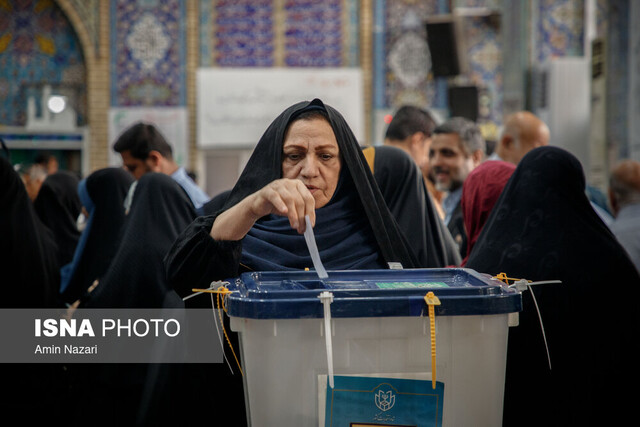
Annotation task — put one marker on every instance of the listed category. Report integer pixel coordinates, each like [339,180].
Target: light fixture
[57,103]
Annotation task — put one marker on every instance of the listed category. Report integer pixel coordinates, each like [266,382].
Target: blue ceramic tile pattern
[244,33]
[37,44]
[617,69]
[148,49]
[401,44]
[560,28]
[484,52]
[313,33]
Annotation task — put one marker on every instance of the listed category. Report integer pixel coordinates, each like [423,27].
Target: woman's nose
[309,166]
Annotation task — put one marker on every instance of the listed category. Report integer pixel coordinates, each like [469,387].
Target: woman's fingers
[291,198]
[309,204]
[284,197]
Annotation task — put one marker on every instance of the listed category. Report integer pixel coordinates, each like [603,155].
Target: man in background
[143,149]
[33,176]
[457,148]
[522,132]
[48,161]
[410,130]
[624,197]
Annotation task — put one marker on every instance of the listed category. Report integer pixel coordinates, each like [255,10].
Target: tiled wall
[146,42]
[148,53]
[37,44]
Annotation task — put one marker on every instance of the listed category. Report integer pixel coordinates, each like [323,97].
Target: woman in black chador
[403,189]
[119,393]
[30,275]
[58,207]
[544,228]
[30,279]
[102,195]
[160,210]
[308,162]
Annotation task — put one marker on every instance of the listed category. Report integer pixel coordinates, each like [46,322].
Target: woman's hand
[285,197]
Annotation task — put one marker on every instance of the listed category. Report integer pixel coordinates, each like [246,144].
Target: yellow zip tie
[432,301]
[222,290]
[503,277]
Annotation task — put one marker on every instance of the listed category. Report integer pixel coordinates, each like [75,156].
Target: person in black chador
[402,186]
[30,275]
[102,195]
[160,210]
[118,393]
[544,228]
[30,280]
[308,162]
[58,207]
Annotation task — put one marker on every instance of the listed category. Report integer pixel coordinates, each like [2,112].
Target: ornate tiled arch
[84,18]
[88,19]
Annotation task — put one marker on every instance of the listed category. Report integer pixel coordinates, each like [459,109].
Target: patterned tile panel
[88,11]
[484,53]
[148,45]
[407,60]
[560,28]
[313,33]
[617,70]
[37,44]
[243,32]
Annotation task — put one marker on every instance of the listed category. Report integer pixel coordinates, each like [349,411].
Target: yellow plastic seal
[432,301]
[222,291]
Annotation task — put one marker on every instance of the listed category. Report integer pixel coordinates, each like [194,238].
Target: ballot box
[422,347]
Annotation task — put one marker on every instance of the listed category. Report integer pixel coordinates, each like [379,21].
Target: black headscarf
[30,279]
[544,228]
[159,211]
[102,194]
[30,275]
[58,207]
[369,223]
[403,189]
[216,203]
[135,279]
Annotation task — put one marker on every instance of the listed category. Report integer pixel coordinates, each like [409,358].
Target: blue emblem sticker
[365,401]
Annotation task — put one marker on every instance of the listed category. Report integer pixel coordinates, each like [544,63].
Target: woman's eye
[326,156]
[294,157]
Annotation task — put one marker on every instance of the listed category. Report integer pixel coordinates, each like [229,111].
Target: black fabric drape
[58,207]
[30,274]
[107,189]
[30,279]
[135,279]
[405,194]
[141,394]
[543,228]
[216,203]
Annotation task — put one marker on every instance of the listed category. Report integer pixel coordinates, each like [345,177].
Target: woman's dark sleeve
[196,259]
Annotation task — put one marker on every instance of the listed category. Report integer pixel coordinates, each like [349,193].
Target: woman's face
[310,153]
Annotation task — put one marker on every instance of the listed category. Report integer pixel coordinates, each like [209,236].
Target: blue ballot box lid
[369,293]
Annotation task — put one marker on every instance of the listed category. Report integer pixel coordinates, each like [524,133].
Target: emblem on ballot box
[385,400]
